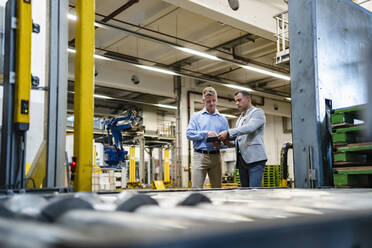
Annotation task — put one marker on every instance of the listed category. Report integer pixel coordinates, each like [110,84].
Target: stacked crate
[236,177]
[103,181]
[271,177]
[352,150]
[109,179]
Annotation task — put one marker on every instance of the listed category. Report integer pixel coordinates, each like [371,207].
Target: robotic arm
[116,154]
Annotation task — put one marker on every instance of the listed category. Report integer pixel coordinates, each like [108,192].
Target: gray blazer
[250,135]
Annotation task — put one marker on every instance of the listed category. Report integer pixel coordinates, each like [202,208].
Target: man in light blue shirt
[206,123]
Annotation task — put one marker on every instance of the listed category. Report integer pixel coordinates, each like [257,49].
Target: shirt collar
[216,112]
[246,112]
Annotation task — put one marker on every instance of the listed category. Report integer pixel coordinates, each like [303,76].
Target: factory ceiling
[147,32]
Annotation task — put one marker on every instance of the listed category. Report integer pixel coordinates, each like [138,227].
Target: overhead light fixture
[229,116]
[165,106]
[74,18]
[269,73]
[97,56]
[71,50]
[71,17]
[197,53]
[102,96]
[288,98]
[234,4]
[156,69]
[237,87]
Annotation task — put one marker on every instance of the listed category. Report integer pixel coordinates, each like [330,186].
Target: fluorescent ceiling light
[233,86]
[97,56]
[101,57]
[229,116]
[74,18]
[150,68]
[71,17]
[102,96]
[165,106]
[201,54]
[269,73]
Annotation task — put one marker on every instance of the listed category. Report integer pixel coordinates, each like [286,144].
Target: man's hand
[212,134]
[223,135]
[227,142]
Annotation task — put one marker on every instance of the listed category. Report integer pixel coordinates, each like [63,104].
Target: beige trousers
[203,164]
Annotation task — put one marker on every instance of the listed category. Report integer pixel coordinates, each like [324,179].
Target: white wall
[274,140]
[35,135]
[150,118]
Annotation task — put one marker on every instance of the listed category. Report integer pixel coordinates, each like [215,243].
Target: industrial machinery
[16,92]
[284,164]
[115,152]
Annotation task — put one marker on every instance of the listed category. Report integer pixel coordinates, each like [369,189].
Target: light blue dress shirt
[200,124]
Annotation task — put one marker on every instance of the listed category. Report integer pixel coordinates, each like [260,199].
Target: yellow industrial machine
[83,97]
[132,169]
[167,180]
[23,66]
[159,184]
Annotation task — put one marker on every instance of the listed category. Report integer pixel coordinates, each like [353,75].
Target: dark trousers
[250,174]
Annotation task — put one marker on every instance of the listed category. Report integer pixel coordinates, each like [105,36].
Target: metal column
[83,98]
[57,94]
[17,85]
[178,148]
[329,47]
[7,135]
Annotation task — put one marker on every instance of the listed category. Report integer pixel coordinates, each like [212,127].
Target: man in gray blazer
[249,143]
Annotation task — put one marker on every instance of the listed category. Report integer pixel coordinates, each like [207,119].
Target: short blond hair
[209,91]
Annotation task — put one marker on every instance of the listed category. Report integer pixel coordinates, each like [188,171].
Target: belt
[208,152]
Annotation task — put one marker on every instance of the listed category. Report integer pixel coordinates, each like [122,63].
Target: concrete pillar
[186,84]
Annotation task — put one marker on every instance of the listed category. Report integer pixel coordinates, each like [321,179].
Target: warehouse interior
[94,150]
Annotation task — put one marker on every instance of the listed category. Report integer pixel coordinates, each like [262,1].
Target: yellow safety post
[166,166]
[83,97]
[158,185]
[96,169]
[132,169]
[23,65]
[132,165]
[283,183]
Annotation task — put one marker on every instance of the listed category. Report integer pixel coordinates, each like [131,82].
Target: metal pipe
[119,10]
